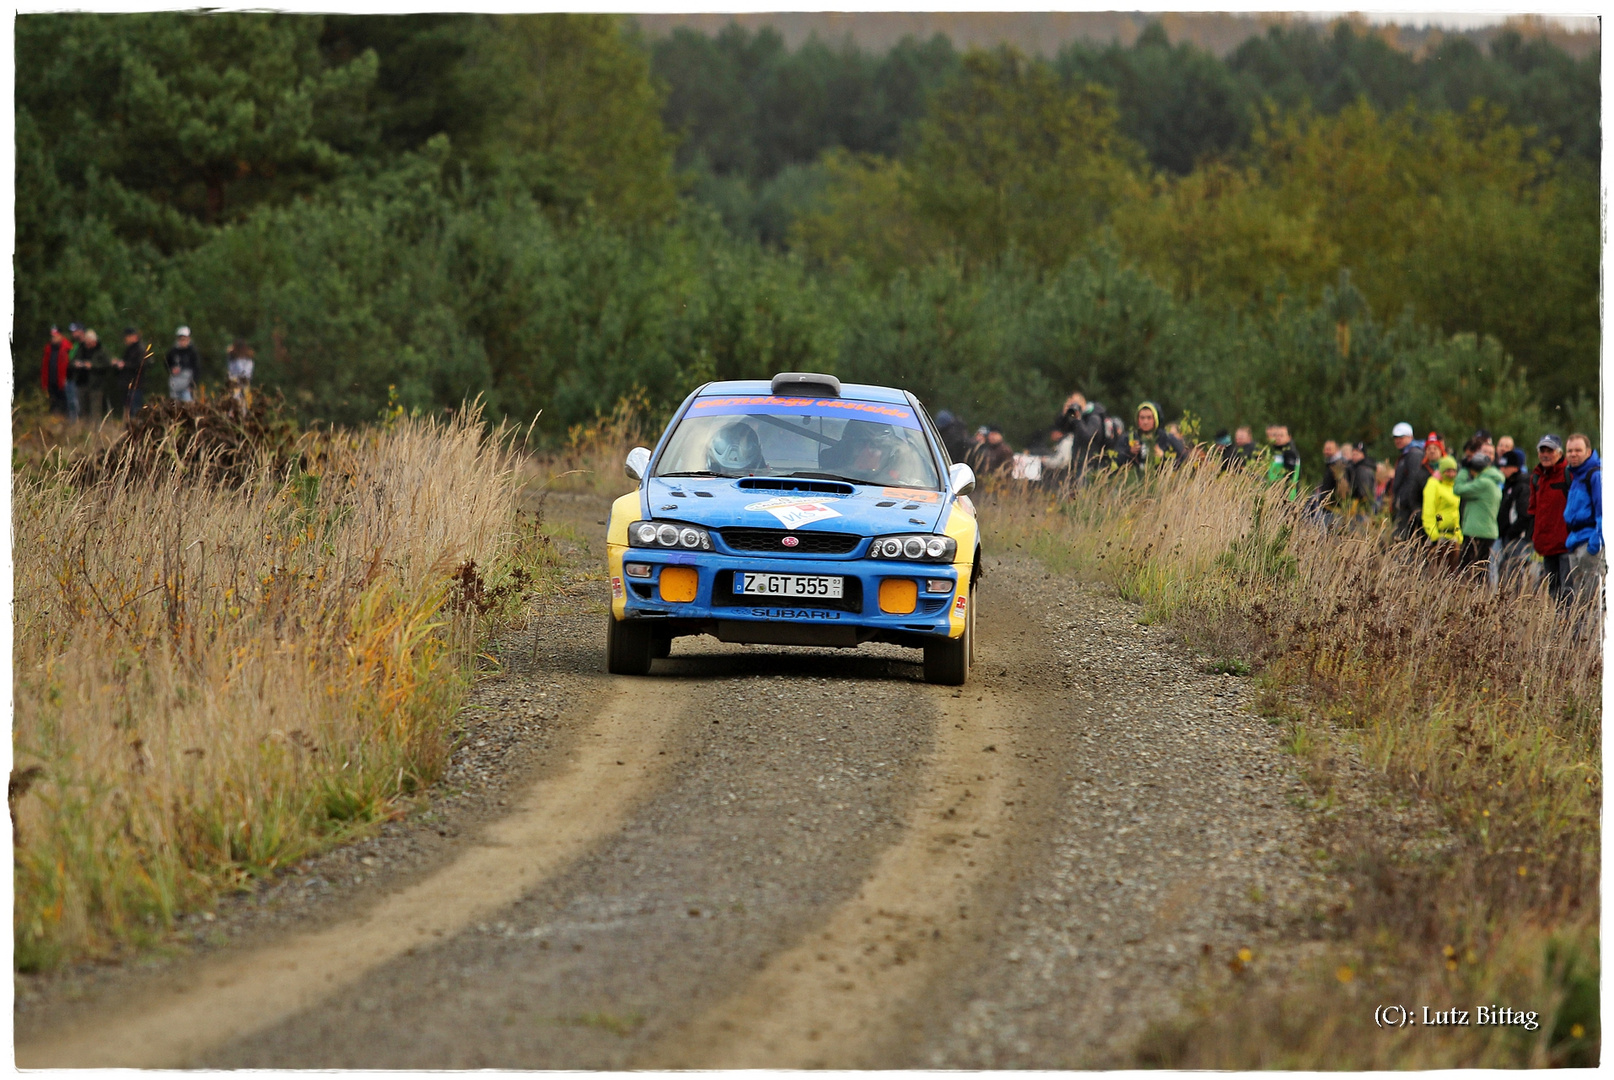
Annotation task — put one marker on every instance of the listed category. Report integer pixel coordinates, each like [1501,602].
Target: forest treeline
[552,212]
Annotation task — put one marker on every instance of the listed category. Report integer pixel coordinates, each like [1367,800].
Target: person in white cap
[184,365]
[1409,456]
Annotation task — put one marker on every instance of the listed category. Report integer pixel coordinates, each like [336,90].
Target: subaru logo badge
[790,541]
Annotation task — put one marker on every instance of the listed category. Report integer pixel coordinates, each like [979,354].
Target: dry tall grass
[1482,708]
[212,680]
[590,460]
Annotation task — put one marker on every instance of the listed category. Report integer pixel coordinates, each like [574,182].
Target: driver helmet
[863,434]
[734,449]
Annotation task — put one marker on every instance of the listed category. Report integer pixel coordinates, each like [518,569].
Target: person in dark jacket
[1549,491]
[1155,445]
[1583,518]
[1243,449]
[1514,525]
[954,435]
[1062,456]
[1422,471]
[1070,416]
[90,371]
[1092,432]
[53,369]
[1409,452]
[1332,490]
[991,453]
[184,354]
[1360,473]
[184,366]
[75,400]
[129,371]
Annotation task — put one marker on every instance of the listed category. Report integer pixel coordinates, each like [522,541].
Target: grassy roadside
[590,459]
[218,670]
[1474,714]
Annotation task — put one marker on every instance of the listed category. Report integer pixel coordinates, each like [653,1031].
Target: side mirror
[962,477]
[638,461]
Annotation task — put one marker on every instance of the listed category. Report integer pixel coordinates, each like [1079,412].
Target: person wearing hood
[1549,491]
[1154,442]
[1441,510]
[1478,488]
[954,435]
[1583,518]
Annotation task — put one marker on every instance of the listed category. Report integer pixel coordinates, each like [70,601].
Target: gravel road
[759,858]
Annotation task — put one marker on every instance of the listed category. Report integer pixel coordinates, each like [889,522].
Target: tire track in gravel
[614,764]
[843,997]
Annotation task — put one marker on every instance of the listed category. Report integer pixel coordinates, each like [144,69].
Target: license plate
[792,585]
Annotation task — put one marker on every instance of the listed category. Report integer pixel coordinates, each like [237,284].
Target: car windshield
[865,442]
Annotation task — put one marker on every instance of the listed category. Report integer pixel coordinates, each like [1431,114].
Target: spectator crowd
[1478,510]
[82,380]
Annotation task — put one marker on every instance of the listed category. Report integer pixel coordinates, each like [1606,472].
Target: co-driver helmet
[734,449]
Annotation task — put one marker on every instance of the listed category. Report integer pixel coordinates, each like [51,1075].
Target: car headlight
[668,534]
[914,547]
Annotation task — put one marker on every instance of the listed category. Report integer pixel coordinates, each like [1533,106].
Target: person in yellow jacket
[1442,521]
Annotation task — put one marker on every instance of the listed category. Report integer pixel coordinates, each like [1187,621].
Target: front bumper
[853,619]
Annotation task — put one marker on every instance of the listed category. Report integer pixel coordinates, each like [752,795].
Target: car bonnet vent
[827,487]
[806,382]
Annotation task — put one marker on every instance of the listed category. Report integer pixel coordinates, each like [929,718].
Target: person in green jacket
[1441,508]
[1283,462]
[1479,486]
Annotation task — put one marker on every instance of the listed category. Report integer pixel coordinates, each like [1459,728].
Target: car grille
[771,541]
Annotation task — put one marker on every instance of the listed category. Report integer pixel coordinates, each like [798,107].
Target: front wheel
[628,647]
[947,662]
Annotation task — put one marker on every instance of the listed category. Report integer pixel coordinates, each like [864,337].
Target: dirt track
[759,857]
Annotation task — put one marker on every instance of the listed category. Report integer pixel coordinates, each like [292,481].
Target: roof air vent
[806,382]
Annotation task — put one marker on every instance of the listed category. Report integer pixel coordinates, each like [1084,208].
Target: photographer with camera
[1479,488]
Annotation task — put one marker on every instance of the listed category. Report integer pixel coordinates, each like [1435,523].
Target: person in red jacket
[53,369]
[1549,491]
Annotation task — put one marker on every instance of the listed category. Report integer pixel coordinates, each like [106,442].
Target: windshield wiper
[697,472]
[824,476]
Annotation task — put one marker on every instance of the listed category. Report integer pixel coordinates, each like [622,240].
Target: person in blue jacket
[1583,517]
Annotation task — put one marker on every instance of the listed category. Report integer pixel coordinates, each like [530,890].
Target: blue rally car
[796,512]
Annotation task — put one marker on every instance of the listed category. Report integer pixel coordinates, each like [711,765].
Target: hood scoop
[785,483]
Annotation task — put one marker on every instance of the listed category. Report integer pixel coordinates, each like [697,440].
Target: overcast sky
[1456,20]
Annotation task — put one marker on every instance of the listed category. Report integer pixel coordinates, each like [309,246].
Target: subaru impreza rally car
[796,512]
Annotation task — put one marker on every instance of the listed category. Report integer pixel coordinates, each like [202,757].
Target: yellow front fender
[962,527]
[623,512]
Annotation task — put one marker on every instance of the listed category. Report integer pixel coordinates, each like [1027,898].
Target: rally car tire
[628,646]
[947,662]
[661,647]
